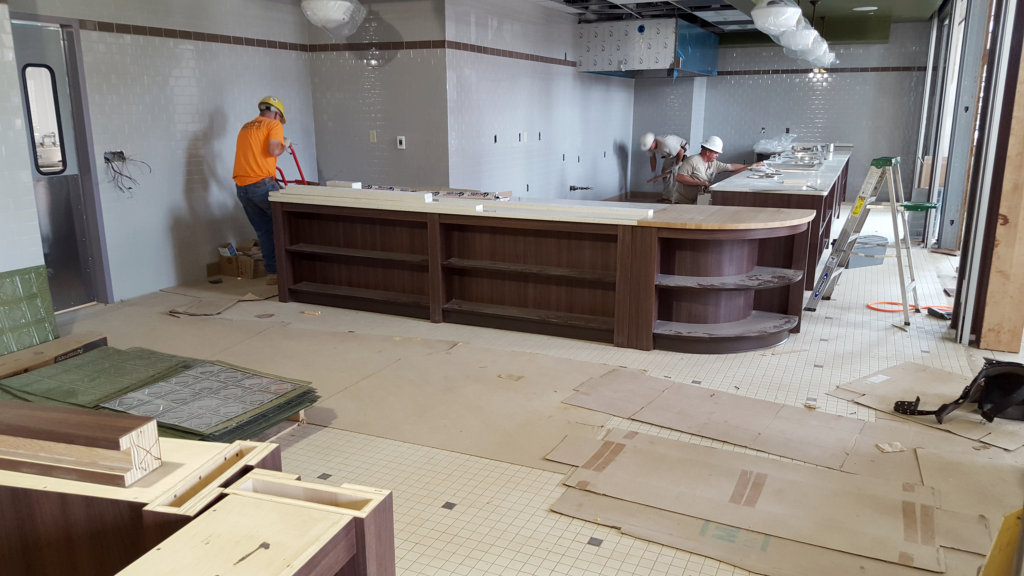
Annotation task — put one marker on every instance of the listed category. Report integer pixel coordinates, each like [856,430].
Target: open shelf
[760,278]
[381,301]
[531,269]
[759,330]
[531,314]
[333,251]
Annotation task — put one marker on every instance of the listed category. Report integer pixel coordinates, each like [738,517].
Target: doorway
[70,226]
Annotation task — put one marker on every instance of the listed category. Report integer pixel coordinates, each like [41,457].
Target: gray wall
[403,96]
[575,127]
[177,105]
[19,222]
[876,111]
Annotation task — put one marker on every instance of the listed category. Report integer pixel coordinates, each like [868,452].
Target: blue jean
[255,199]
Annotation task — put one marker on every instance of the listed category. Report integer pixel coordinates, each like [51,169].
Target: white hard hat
[713,143]
[646,140]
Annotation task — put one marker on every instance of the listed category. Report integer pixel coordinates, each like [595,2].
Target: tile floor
[465,515]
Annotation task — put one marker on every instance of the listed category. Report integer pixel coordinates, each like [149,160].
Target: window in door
[44,118]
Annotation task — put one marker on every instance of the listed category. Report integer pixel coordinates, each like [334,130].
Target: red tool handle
[296,158]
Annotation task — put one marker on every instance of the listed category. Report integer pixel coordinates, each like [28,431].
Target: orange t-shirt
[253,161]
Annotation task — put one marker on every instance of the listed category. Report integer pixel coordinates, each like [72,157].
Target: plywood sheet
[881,390]
[575,450]
[887,520]
[500,405]
[228,287]
[205,306]
[970,482]
[620,392]
[747,549]
[793,432]
[331,361]
[144,322]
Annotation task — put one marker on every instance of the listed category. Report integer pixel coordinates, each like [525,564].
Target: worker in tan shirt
[260,141]
[696,173]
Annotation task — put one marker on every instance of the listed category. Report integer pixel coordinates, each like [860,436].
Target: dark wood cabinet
[709,287]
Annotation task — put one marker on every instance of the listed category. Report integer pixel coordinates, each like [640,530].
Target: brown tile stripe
[137,30]
[835,70]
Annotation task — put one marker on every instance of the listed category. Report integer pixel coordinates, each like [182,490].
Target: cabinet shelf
[320,250]
[760,278]
[531,269]
[583,321]
[759,330]
[381,301]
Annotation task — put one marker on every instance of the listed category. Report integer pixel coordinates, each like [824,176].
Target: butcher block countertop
[561,210]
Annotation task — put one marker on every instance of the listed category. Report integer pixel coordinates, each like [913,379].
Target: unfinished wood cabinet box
[57,527]
[371,508]
[206,483]
[255,537]
[106,448]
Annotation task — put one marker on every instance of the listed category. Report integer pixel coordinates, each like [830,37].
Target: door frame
[96,243]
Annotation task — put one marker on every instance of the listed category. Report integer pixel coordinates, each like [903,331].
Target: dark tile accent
[448,505]
[595,542]
[88,25]
[249,41]
[272,44]
[237,40]
[105,26]
[261,43]
[199,36]
[122,28]
[324,476]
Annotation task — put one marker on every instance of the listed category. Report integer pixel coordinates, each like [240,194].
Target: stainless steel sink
[794,164]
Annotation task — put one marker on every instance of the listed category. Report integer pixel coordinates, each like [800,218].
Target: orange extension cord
[874,306]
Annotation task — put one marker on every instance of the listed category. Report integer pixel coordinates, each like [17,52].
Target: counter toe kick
[699,279]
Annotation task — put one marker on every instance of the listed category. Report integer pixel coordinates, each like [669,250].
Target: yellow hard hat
[273,102]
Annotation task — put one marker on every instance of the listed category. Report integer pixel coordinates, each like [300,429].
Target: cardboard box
[925,177]
[247,261]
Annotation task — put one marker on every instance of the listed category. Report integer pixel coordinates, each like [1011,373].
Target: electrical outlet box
[115,156]
[401,142]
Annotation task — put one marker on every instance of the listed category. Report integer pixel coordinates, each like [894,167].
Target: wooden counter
[822,191]
[688,278]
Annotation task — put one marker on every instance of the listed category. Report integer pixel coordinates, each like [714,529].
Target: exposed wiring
[119,170]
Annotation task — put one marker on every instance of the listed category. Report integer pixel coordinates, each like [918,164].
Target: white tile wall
[389,21]
[662,106]
[878,112]
[19,222]
[177,105]
[403,97]
[585,117]
[907,46]
[269,19]
[519,26]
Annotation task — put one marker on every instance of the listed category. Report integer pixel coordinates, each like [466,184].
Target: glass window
[44,118]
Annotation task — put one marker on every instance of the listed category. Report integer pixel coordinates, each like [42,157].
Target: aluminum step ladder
[884,170]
